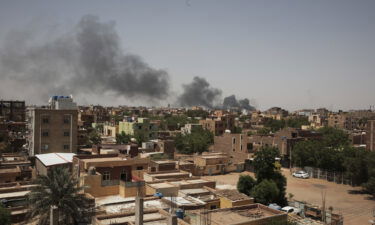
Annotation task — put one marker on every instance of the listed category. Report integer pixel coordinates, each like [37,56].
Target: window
[45,133]
[66,147]
[139,167]
[66,119]
[106,175]
[44,147]
[234,140]
[123,175]
[217,167]
[66,133]
[241,147]
[45,119]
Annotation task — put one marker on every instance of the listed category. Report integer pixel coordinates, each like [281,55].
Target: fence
[331,176]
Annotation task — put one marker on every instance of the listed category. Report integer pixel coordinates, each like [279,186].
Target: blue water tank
[180,213]
[158,194]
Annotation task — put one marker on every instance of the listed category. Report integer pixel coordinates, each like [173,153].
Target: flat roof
[161,185]
[157,216]
[242,214]
[51,159]
[14,194]
[233,195]
[195,191]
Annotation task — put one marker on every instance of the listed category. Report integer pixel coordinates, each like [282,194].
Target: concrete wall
[95,188]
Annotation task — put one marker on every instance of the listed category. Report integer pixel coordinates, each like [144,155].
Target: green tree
[122,138]
[175,122]
[297,122]
[334,138]
[59,188]
[246,184]
[94,137]
[264,131]
[5,218]
[265,192]
[264,163]
[265,169]
[198,141]
[197,113]
[236,130]
[369,186]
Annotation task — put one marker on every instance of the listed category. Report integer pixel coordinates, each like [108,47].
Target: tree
[59,188]
[264,162]
[265,169]
[94,137]
[369,186]
[196,142]
[5,218]
[245,184]
[265,192]
[334,138]
[122,138]
[197,113]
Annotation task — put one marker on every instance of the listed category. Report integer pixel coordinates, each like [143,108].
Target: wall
[94,187]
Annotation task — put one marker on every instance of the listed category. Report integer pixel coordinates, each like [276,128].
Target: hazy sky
[288,53]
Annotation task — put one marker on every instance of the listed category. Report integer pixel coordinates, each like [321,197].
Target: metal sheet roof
[51,159]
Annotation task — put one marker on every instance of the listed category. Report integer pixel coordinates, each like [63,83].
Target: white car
[289,209]
[301,174]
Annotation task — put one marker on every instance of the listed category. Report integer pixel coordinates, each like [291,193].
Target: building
[141,126]
[370,135]
[283,140]
[253,214]
[62,102]
[105,175]
[215,163]
[232,198]
[12,111]
[317,121]
[52,130]
[234,145]
[44,162]
[216,126]
[190,127]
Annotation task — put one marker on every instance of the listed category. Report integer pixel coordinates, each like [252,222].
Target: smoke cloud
[231,102]
[199,93]
[86,60]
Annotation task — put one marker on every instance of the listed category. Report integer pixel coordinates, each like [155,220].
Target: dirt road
[356,208]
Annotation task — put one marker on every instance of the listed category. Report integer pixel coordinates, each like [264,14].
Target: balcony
[110,182]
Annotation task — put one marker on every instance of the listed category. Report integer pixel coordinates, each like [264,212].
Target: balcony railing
[110,182]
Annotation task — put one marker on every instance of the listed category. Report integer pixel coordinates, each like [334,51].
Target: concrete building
[253,214]
[12,111]
[110,174]
[215,163]
[44,162]
[142,125]
[190,127]
[234,145]
[370,135]
[216,126]
[62,102]
[52,130]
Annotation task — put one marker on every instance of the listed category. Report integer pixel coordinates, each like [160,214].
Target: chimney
[138,210]
[54,215]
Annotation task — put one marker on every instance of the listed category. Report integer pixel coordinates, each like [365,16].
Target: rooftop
[233,195]
[51,159]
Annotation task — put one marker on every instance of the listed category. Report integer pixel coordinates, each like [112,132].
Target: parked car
[290,209]
[301,174]
[274,206]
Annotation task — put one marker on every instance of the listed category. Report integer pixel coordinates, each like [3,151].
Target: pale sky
[289,53]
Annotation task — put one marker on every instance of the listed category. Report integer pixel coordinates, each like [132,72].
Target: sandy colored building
[370,135]
[234,145]
[52,130]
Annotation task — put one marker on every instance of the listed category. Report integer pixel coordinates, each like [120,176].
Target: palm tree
[59,188]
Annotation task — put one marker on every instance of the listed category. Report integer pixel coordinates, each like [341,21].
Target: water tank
[158,194]
[92,170]
[180,213]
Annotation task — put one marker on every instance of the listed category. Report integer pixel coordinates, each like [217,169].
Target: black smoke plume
[87,59]
[231,102]
[199,93]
